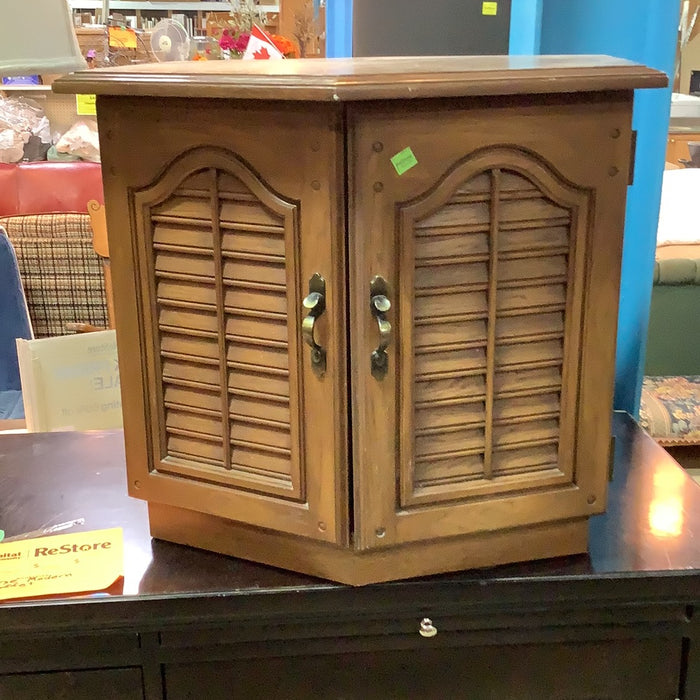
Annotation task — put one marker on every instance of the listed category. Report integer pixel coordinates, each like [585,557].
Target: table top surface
[350,79]
[647,535]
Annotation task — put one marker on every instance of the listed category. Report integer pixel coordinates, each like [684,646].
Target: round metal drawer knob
[427,629]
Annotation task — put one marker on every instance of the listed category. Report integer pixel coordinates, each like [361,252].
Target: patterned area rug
[670,409]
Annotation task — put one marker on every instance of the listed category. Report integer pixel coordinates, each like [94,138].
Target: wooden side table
[366,308]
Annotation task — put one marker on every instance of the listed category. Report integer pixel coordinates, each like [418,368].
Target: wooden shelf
[25,88]
[145,5]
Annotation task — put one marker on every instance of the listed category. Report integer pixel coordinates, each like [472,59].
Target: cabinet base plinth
[360,568]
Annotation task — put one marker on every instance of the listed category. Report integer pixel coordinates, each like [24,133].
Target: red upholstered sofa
[47,188]
[43,208]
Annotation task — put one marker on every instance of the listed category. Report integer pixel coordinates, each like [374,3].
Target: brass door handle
[379,305]
[315,303]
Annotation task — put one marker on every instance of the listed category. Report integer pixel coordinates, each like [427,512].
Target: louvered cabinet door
[224,244]
[489,248]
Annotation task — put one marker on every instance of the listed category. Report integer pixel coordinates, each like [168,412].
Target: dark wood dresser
[621,622]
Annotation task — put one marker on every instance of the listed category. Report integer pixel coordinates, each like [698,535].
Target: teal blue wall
[525,27]
[339,28]
[643,31]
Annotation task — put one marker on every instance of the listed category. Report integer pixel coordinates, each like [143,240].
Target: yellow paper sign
[122,38]
[86,104]
[489,8]
[81,562]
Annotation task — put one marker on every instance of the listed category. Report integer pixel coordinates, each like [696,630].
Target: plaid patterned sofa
[43,208]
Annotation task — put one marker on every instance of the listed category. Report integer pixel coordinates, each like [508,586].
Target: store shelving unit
[146,5]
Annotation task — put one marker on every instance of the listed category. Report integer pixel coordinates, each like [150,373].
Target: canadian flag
[260,46]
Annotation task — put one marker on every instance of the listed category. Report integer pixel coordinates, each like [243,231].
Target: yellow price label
[122,38]
[489,8]
[86,105]
[82,562]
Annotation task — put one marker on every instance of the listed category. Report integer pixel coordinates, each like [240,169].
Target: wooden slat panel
[197,398]
[258,381]
[457,215]
[530,297]
[187,264]
[250,327]
[277,439]
[433,418]
[185,319]
[449,442]
[252,271]
[441,334]
[527,406]
[526,380]
[531,431]
[451,246]
[259,461]
[172,234]
[232,185]
[473,213]
[451,275]
[532,268]
[258,300]
[190,371]
[529,326]
[448,471]
[527,209]
[533,238]
[428,307]
[521,353]
[480,184]
[197,450]
[200,180]
[525,458]
[247,213]
[463,387]
[193,347]
[257,355]
[449,361]
[531,263]
[192,422]
[184,207]
[512,181]
[244,241]
[179,290]
[259,408]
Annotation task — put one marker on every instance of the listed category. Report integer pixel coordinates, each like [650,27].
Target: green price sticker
[489,8]
[404,160]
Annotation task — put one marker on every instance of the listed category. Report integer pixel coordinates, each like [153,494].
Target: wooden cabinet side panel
[313,145]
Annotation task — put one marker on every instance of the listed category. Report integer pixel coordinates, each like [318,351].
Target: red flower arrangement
[238,44]
[226,41]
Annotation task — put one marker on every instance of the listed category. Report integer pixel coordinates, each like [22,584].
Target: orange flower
[286,47]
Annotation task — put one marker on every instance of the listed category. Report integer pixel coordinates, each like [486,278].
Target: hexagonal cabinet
[366,308]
